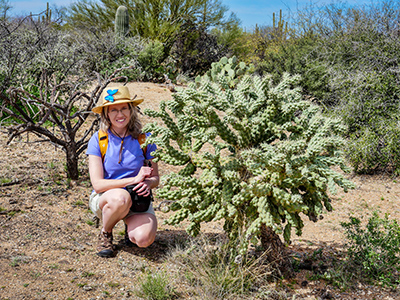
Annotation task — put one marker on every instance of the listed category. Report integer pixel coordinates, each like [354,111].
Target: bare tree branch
[66,106]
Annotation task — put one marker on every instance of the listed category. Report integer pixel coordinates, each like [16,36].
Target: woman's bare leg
[115,206]
[142,229]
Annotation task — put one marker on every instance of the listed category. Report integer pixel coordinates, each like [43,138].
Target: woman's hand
[144,173]
[100,185]
[142,189]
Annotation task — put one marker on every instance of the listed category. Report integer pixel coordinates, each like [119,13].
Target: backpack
[103,142]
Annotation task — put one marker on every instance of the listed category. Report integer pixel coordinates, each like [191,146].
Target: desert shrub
[369,105]
[155,286]
[375,147]
[126,52]
[23,41]
[32,48]
[99,49]
[28,47]
[152,62]
[283,48]
[195,49]
[31,45]
[232,38]
[207,265]
[297,56]
[155,20]
[352,70]
[373,250]
[255,155]
[262,39]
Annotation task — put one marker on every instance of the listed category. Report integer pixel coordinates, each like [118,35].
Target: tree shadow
[166,240]
[316,256]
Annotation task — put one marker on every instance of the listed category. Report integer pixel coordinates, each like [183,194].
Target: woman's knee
[143,229]
[116,201]
[142,239]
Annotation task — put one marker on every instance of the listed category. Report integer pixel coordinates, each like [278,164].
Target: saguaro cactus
[46,17]
[121,26]
[257,156]
[281,30]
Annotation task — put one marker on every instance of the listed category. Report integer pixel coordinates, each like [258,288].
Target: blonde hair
[134,125]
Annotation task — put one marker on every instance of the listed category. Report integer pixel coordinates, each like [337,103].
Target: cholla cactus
[229,68]
[255,156]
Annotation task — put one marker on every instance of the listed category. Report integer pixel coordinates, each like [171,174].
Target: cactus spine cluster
[121,26]
[257,154]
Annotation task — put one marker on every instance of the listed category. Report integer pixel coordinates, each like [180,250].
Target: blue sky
[250,12]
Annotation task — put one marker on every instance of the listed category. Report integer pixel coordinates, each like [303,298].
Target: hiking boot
[128,242]
[105,247]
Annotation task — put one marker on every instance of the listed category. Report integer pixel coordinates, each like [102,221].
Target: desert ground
[48,239]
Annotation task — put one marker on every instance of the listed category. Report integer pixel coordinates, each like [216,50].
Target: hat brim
[99,109]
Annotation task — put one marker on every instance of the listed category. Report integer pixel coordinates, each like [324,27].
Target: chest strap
[103,143]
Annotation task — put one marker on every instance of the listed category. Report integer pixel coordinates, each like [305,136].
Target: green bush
[369,106]
[375,148]
[356,57]
[373,251]
[152,62]
[126,54]
[155,286]
[297,56]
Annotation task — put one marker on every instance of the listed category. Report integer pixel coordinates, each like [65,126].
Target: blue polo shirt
[132,155]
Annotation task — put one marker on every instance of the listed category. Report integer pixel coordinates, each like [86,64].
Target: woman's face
[119,115]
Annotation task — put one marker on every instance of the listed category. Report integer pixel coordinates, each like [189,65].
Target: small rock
[326,295]
[64,262]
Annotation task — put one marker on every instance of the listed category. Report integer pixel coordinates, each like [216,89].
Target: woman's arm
[101,185]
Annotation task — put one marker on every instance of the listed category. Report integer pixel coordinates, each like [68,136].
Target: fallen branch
[6,212]
[14,182]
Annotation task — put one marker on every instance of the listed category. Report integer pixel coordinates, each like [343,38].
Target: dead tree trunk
[276,252]
[72,162]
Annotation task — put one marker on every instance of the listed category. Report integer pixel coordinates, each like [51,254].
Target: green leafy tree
[256,156]
[155,19]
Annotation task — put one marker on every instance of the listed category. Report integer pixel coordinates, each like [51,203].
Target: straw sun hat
[115,95]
